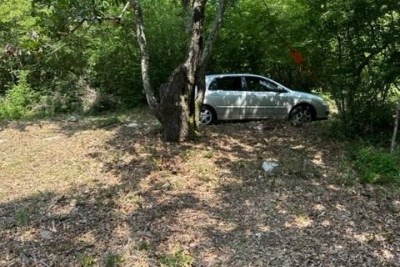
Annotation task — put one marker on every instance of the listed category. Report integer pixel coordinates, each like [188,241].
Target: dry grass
[98,193]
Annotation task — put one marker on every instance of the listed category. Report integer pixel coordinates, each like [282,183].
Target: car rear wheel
[207,115]
[301,114]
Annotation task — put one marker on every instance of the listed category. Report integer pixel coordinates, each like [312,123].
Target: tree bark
[177,97]
[396,126]
[145,59]
[174,106]
[177,107]
[209,44]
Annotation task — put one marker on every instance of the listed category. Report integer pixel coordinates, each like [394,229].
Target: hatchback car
[248,96]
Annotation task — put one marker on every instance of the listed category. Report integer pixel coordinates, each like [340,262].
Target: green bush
[17,102]
[334,128]
[371,119]
[374,123]
[377,166]
[178,259]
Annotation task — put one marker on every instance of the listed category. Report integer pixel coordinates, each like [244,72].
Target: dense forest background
[69,56]
[87,179]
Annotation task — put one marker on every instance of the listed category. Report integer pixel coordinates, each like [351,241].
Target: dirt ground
[111,193]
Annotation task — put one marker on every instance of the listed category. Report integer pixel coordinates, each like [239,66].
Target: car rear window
[226,84]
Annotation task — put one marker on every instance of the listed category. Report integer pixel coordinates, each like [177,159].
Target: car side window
[226,84]
[272,87]
[256,84]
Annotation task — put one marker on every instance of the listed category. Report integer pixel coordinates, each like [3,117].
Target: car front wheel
[301,114]
[207,115]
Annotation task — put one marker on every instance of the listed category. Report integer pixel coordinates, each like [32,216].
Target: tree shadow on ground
[211,200]
[300,214]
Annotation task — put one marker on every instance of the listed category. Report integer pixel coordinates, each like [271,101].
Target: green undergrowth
[375,165]
[178,259]
[17,102]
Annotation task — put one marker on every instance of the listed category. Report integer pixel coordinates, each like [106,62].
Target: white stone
[72,119]
[45,234]
[133,125]
[268,166]
[259,127]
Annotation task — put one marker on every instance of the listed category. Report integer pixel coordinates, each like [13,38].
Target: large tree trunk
[174,107]
[177,109]
[173,111]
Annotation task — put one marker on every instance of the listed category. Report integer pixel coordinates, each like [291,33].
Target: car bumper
[324,117]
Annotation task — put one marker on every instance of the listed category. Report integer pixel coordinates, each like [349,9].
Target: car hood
[303,95]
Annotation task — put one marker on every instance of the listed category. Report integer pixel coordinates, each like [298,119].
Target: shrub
[114,260]
[178,259]
[17,102]
[377,166]
[372,119]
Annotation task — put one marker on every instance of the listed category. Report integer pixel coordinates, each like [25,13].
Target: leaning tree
[178,106]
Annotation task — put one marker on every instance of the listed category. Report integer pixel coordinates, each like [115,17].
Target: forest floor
[108,192]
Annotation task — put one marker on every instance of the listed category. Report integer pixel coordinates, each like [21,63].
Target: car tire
[301,114]
[207,115]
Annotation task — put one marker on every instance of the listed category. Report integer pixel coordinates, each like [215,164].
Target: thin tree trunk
[396,126]
[145,59]
[209,44]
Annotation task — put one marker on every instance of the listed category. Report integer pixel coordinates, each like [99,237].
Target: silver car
[248,96]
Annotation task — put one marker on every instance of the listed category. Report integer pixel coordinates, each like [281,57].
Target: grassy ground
[99,193]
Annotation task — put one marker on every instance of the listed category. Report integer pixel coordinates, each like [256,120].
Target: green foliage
[167,36]
[260,35]
[114,260]
[377,166]
[86,260]
[370,120]
[334,128]
[354,60]
[372,123]
[108,120]
[18,99]
[22,217]
[114,67]
[178,259]
[78,63]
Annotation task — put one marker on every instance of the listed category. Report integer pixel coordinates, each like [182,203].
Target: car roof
[233,75]
[210,77]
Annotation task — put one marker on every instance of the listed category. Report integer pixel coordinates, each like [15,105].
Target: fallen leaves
[121,195]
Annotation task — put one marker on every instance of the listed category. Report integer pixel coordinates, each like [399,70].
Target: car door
[226,95]
[264,98]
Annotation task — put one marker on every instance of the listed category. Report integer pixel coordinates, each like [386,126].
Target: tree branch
[116,19]
[80,23]
[216,27]
[124,10]
[145,60]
